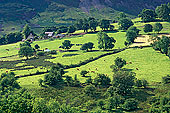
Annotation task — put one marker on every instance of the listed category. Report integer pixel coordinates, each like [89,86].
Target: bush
[90,90]
[89,81]
[138,83]
[90,104]
[102,80]
[41,53]
[40,81]
[83,73]
[130,104]
[166,79]
[53,52]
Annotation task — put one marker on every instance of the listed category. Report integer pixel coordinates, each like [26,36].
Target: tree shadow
[69,55]
[125,69]
[71,51]
[111,31]
[94,51]
[142,94]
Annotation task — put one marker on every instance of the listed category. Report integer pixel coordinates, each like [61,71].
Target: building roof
[47,50]
[61,35]
[49,33]
[31,36]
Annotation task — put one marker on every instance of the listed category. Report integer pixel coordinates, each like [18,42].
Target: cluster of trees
[81,24]
[160,104]
[55,77]
[157,27]
[11,38]
[92,23]
[14,99]
[104,42]
[124,22]
[162,12]
[131,35]
[26,50]
[119,91]
[162,44]
[16,36]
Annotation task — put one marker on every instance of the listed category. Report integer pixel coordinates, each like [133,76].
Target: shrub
[53,52]
[83,73]
[102,80]
[130,104]
[138,83]
[41,53]
[166,79]
[90,90]
[89,81]
[40,81]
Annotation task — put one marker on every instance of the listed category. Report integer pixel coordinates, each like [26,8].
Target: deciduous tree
[125,23]
[147,15]
[26,31]
[123,82]
[148,28]
[163,12]
[157,27]
[66,44]
[26,51]
[104,41]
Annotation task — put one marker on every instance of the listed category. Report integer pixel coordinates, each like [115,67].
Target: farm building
[49,34]
[30,37]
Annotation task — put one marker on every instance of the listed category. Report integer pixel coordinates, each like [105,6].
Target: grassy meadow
[151,64]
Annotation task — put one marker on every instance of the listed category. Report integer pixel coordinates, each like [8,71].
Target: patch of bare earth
[144,40]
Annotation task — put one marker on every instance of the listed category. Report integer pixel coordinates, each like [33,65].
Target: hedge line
[77,65]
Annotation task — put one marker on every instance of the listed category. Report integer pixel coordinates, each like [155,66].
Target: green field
[152,65]
[73,56]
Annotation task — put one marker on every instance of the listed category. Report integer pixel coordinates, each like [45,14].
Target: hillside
[147,63]
[15,14]
[26,9]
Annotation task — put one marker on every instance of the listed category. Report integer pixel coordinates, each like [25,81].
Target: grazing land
[106,66]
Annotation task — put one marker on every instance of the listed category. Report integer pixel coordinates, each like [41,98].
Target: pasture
[73,56]
[146,63]
[151,64]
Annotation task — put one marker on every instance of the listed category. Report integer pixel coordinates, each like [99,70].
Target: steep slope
[15,13]
[132,7]
[26,9]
